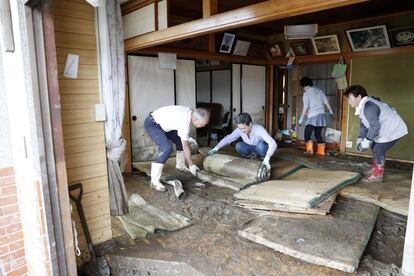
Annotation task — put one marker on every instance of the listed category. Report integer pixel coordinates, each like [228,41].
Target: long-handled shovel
[100,263]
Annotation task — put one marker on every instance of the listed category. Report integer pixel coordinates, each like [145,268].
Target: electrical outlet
[349,144]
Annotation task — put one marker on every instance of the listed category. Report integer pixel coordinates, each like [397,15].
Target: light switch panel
[100,112]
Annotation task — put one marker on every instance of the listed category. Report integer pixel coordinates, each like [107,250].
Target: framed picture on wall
[300,48]
[241,48]
[327,44]
[275,50]
[370,38]
[227,43]
[402,36]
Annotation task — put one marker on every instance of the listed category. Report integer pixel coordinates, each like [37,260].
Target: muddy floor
[211,244]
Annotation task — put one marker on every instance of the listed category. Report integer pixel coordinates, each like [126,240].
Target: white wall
[254,91]
[185,86]
[203,87]
[149,88]
[5,142]
[142,20]
[185,83]
[222,88]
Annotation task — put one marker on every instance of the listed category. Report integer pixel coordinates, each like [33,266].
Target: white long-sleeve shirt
[257,133]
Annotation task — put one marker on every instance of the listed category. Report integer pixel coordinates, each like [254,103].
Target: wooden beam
[192,54]
[209,9]
[346,55]
[131,6]
[251,15]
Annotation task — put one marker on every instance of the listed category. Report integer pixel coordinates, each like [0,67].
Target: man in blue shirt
[256,140]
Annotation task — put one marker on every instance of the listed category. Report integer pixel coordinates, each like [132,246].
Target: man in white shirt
[172,123]
[256,140]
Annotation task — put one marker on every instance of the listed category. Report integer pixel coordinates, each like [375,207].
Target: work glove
[363,144]
[212,151]
[266,163]
[192,143]
[194,169]
[332,114]
[300,122]
[182,167]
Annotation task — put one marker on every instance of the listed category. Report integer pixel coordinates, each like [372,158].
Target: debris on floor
[305,188]
[392,195]
[336,241]
[144,219]
[322,208]
[387,241]
[326,244]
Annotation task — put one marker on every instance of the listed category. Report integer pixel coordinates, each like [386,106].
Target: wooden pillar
[126,126]
[209,9]
[408,257]
[345,107]
[269,98]
[57,133]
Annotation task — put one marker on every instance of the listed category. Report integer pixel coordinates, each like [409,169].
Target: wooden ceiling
[181,11]
[192,36]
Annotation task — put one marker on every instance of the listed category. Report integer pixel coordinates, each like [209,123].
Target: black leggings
[308,133]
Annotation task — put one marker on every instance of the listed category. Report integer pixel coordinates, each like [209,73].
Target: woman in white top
[314,102]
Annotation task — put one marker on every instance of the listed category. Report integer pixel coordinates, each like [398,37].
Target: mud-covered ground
[212,246]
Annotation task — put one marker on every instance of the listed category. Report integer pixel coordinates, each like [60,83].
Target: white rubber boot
[180,161]
[156,172]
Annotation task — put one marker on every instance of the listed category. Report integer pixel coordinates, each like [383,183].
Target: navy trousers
[162,139]
[379,150]
[245,149]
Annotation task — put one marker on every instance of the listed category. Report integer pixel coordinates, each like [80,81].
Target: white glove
[180,162]
[300,122]
[363,145]
[266,162]
[194,169]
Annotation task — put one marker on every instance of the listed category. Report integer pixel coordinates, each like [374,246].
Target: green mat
[144,219]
